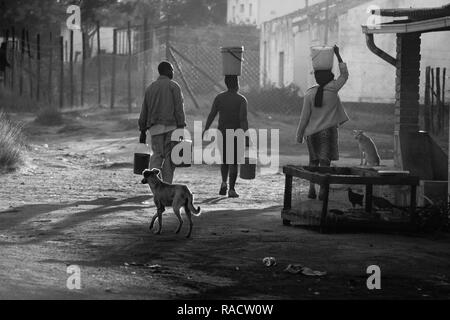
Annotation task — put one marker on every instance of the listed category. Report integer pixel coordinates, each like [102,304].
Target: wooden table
[346,176]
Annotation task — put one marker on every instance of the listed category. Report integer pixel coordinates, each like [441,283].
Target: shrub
[284,100]
[49,117]
[11,143]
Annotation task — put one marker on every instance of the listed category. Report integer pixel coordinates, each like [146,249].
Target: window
[242,8]
[250,8]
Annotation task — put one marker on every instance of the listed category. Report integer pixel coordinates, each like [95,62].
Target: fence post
[22,57]
[38,76]
[99,66]
[145,55]
[50,72]
[13,57]
[83,67]
[30,69]
[5,75]
[61,72]
[438,98]
[113,71]
[71,70]
[433,115]
[427,100]
[129,65]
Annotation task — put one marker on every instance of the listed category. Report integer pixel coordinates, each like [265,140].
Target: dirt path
[78,203]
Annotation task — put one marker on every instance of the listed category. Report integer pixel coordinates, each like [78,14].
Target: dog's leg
[160,214]
[189,216]
[362,157]
[177,212]
[152,224]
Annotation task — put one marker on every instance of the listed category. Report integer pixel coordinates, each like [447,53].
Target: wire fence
[57,72]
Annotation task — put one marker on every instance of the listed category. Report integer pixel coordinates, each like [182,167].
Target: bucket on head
[232,58]
[248,169]
[141,162]
[322,58]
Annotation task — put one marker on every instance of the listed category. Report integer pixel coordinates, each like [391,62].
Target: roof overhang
[438,24]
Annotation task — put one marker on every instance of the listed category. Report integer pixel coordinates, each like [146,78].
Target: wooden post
[72,102]
[83,67]
[145,43]
[113,71]
[50,72]
[369,195]
[99,66]
[438,99]
[426,112]
[13,57]
[5,75]
[30,69]
[129,65]
[288,193]
[22,55]
[61,72]
[38,72]
[444,80]
[433,113]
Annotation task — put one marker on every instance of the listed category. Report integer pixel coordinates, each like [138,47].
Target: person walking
[162,113]
[231,106]
[321,116]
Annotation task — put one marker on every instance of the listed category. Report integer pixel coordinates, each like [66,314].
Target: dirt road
[78,203]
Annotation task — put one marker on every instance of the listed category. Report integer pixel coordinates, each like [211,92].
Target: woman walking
[321,116]
[232,109]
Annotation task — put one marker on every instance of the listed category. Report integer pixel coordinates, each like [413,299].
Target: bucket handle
[232,53]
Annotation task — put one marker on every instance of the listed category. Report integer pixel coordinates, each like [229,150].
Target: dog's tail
[190,204]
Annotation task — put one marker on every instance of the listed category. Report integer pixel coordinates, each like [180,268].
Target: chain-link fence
[55,72]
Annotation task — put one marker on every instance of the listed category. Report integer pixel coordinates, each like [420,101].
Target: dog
[368,149]
[168,195]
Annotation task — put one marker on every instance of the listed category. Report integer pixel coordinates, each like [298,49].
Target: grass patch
[49,117]
[11,144]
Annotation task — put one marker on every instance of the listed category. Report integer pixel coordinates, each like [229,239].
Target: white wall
[371,78]
[243,12]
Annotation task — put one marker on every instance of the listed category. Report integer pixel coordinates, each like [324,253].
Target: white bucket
[232,58]
[322,58]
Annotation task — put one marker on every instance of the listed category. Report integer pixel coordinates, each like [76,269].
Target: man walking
[162,113]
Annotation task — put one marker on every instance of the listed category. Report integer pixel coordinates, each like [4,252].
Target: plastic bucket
[248,170]
[232,58]
[141,162]
[322,58]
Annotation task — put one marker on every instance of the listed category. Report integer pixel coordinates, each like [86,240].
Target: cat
[368,149]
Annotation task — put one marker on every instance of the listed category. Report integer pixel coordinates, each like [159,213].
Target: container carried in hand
[232,58]
[142,159]
[322,58]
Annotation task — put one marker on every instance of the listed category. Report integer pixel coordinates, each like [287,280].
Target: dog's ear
[146,173]
[157,173]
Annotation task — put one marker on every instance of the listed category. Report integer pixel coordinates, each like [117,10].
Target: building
[286,41]
[255,12]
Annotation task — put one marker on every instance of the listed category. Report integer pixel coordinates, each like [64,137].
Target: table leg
[413,204]
[326,194]
[288,193]
[369,194]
